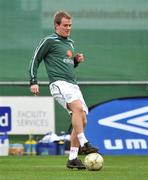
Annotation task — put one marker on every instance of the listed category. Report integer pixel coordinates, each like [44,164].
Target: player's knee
[78,109]
[84,119]
[84,123]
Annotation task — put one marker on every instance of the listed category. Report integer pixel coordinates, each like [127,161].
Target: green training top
[57,53]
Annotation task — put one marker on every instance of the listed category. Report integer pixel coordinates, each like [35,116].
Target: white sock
[73,153]
[82,139]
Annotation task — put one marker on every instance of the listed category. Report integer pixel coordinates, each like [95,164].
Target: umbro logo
[133,121]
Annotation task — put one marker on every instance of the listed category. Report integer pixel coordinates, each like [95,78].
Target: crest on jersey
[69,54]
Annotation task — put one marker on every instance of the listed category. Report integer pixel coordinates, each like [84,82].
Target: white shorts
[65,92]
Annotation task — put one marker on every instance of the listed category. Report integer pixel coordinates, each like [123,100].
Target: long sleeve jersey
[57,53]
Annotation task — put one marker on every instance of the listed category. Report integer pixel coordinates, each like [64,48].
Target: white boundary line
[24,83]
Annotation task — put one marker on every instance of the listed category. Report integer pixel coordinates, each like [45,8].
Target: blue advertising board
[5,119]
[119,126]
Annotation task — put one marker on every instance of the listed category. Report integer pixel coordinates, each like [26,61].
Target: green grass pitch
[53,168]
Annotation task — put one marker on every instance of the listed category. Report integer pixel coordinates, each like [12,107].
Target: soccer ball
[94,162]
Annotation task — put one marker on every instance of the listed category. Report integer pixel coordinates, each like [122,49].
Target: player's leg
[58,92]
[70,97]
[78,119]
[73,161]
[78,123]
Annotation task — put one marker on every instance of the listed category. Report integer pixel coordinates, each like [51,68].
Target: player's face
[64,28]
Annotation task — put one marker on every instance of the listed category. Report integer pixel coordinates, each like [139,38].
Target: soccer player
[57,52]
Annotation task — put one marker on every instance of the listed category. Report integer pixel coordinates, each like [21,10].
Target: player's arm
[78,58]
[39,55]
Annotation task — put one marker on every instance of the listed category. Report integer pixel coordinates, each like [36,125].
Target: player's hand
[79,57]
[35,89]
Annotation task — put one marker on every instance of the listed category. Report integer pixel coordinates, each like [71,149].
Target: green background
[112,34]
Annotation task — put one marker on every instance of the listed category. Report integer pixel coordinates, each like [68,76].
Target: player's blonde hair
[59,15]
